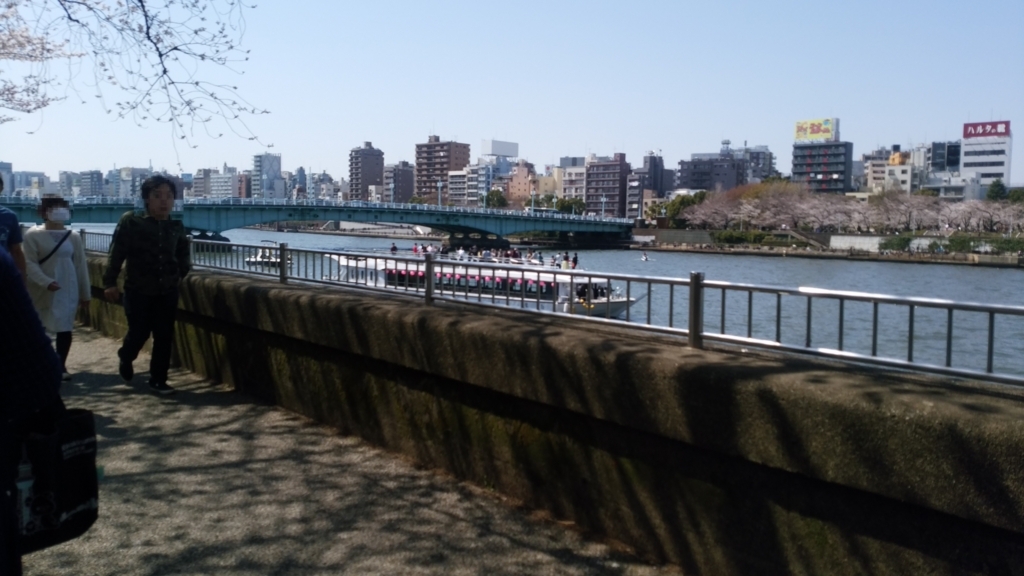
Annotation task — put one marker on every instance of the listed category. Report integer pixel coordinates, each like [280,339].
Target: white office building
[574,182]
[986,149]
[457,190]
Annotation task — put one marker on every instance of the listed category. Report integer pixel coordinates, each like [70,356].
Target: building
[91,183]
[266,175]
[201,182]
[522,184]
[572,162]
[457,188]
[434,160]
[986,150]
[223,185]
[400,181]
[499,148]
[824,166]
[131,179]
[719,173]
[365,169]
[606,185]
[954,186]
[899,178]
[574,182]
[944,157]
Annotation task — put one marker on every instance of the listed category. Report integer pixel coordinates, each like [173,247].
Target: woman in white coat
[58,277]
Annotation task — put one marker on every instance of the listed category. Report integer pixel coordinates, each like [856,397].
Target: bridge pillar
[462,240]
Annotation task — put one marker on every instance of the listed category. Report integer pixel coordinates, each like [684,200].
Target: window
[983,164]
[1000,152]
[991,174]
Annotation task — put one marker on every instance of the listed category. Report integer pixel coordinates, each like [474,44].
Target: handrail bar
[868,297]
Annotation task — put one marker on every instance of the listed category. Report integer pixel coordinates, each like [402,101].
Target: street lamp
[533,200]
[604,211]
[392,201]
[438,192]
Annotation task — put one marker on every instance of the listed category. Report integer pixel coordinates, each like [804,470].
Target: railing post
[428,276]
[696,326]
[282,262]
[81,234]
[191,250]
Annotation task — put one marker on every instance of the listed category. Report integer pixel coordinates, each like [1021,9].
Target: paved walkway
[211,482]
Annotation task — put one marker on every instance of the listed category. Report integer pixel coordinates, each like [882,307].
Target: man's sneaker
[161,388]
[126,371]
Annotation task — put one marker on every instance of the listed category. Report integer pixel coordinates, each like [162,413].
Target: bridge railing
[316,203]
[962,339]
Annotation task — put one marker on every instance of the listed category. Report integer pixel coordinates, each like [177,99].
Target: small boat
[266,257]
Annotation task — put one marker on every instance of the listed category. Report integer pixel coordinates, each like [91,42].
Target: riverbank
[986,260]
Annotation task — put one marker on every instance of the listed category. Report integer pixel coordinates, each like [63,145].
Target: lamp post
[392,201]
[604,210]
[438,192]
[533,200]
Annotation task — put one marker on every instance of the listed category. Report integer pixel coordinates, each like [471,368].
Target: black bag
[57,492]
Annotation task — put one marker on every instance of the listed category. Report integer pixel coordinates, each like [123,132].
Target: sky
[568,78]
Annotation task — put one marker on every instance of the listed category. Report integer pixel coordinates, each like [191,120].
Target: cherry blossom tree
[149,60]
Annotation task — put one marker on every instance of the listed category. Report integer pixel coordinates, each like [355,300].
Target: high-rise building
[606,185]
[91,183]
[571,161]
[400,181]
[223,185]
[986,150]
[434,159]
[825,166]
[365,169]
[266,176]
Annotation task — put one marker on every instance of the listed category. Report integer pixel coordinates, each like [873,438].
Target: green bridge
[466,225]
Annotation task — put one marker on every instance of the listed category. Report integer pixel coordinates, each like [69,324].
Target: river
[952,282]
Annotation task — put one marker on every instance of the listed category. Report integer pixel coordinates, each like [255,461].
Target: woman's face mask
[58,215]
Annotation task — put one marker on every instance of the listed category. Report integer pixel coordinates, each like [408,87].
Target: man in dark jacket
[156,250]
[30,376]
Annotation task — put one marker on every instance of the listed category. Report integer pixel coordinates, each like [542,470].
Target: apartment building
[434,160]
[365,169]
[606,185]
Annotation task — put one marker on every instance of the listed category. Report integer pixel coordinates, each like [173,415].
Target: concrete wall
[670,236]
[870,243]
[721,463]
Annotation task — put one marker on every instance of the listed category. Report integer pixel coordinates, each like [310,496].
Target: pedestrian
[58,275]
[10,235]
[156,251]
[29,389]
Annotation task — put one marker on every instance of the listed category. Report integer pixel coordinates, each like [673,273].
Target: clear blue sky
[566,78]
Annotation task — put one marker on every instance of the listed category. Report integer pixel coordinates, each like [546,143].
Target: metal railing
[107,201]
[931,335]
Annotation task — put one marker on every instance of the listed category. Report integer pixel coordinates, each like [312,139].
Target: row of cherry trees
[782,205]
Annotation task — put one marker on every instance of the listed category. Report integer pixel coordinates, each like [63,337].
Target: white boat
[266,257]
[547,287]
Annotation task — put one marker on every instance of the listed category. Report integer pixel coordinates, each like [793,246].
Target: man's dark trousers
[150,313]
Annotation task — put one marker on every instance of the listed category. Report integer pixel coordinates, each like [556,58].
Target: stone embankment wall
[725,464]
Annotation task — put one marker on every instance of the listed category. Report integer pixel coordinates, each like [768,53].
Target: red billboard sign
[986,129]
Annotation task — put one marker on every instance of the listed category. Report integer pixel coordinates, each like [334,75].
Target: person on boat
[644,257]
[565,262]
[415,248]
[394,249]
[575,260]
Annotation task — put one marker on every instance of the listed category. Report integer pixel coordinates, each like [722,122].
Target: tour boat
[544,286]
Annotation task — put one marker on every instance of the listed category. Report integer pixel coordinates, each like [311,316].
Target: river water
[951,282]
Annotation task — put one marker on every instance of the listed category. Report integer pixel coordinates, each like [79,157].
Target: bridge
[466,225]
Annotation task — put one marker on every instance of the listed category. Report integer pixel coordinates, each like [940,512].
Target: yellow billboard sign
[823,129]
